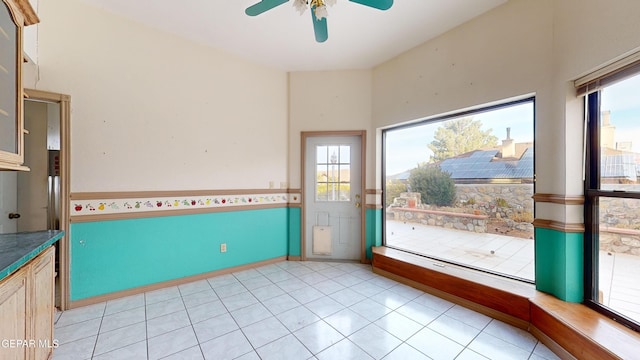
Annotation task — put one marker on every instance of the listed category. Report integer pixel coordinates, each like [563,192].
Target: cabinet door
[11,121]
[43,296]
[13,312]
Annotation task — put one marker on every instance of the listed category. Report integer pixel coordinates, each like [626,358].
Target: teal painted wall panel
[295,222]
[559,264]
[575,267]
[374,230]
[110,256]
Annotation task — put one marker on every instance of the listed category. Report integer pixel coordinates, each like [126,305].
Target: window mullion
[592,191]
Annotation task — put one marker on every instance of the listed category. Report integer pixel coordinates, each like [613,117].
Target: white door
[333,198]
[8,201]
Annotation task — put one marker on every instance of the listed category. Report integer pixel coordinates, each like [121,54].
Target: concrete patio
[514,256]
[503,254]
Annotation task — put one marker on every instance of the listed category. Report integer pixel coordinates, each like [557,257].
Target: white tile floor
[289,310]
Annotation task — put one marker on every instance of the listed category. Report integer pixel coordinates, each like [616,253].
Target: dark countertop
[18,248]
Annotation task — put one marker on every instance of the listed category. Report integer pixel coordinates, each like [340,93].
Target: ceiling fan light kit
[319,7]
[319,11]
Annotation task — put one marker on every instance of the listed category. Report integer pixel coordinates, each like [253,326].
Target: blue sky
[408,147]
[623,100]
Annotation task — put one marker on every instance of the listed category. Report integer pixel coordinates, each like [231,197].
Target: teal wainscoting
[111,256]
[295,231]
[374,230]
[559,258]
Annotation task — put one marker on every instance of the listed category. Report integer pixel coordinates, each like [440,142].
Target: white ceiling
[359,37]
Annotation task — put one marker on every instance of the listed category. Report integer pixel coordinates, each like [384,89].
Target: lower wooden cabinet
[26,310]
[13,309]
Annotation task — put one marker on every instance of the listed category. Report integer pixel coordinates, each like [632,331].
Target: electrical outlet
[223,248]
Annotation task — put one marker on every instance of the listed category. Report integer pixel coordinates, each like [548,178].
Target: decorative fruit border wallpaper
[118,206]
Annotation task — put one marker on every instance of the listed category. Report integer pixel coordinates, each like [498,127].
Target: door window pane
[333,175]
[345,155]
[322,192]
[321,155]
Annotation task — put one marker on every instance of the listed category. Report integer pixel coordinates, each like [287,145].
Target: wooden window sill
[570,330]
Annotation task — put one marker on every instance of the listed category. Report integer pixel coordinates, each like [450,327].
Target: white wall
[150,111]
[329,101]
[502,54]
[30,36]
[138,95]
[588,34]
[521,47]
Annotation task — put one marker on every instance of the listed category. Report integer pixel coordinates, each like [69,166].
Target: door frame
[304,135]
[65,150]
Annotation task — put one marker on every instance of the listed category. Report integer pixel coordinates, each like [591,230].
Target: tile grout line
[190,321]
[95,345]
[146,330]
[234,319]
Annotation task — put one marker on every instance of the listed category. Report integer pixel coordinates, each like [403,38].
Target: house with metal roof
[510,163]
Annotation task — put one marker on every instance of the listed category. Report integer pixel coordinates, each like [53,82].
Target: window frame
[531,98]
[593,192]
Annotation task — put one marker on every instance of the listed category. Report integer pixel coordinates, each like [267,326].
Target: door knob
[14,216]
[358,204]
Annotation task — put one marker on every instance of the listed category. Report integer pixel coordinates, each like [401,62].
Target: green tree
[434,185]
[458,137]
[393,189]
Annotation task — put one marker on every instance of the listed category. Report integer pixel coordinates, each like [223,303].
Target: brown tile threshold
[572,331]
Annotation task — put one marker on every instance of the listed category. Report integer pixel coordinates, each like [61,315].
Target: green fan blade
[262,6]
[319,27]
[378,4]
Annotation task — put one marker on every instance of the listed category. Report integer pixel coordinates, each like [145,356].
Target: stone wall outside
[511,203]
[620,218]
[620,223]
[497,200]
[447,220]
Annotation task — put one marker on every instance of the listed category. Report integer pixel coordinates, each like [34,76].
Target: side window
[612,197]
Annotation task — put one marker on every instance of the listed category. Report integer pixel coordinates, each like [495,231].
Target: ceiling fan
[318,11]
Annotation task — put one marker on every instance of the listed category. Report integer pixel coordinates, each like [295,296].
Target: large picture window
[612,197]
[459,188]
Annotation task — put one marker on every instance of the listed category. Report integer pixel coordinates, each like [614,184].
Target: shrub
[522,216]
[434,185]
[502,203]
[393,189]
[470,202]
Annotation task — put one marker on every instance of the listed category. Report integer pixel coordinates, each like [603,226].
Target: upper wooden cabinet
[14,16]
